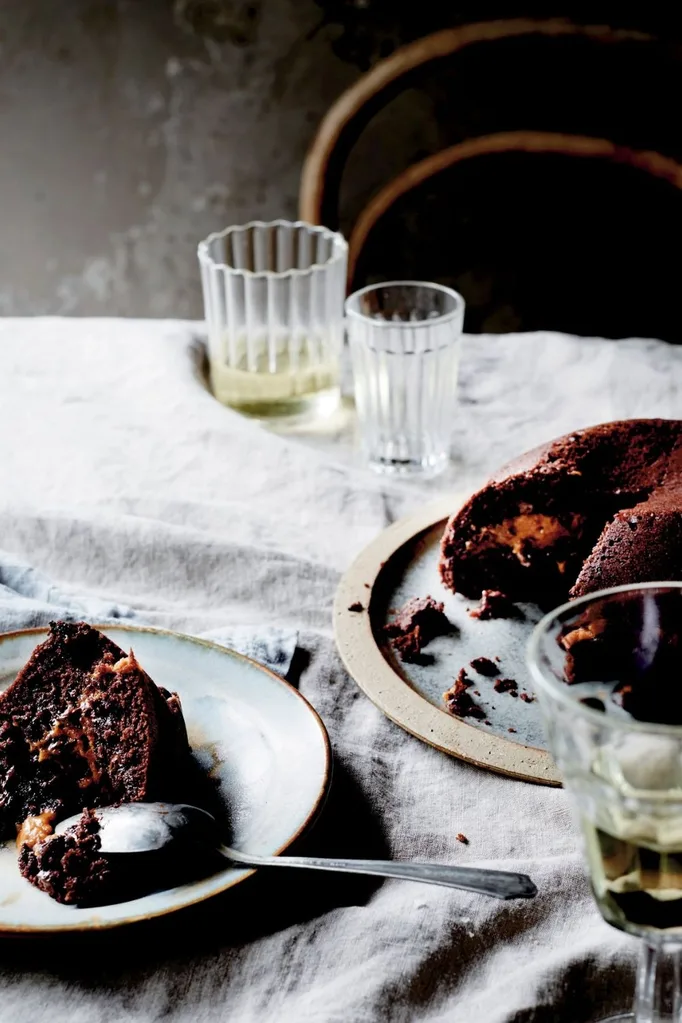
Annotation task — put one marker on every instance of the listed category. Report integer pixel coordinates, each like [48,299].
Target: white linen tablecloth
[122,480]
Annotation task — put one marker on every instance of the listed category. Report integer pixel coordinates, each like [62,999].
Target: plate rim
[390,692]
[24,930]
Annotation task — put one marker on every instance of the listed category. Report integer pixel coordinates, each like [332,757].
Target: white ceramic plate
[253,731]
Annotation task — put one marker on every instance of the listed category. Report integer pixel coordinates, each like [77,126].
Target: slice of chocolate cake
[83,725]
[593,509]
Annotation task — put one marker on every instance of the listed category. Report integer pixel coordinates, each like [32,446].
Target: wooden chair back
[410,213]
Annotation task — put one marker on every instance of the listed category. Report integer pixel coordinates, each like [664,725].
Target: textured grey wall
[132,129]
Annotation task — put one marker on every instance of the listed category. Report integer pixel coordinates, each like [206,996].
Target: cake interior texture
[597,508]
[70,867]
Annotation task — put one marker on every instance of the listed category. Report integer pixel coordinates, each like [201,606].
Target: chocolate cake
[599,507]
[83,725]
[69,867]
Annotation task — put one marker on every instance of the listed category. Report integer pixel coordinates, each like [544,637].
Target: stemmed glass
[608,672]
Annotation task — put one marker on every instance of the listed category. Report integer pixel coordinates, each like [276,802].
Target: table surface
[121,477]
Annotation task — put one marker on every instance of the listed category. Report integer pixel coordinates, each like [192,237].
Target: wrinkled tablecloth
[124,483]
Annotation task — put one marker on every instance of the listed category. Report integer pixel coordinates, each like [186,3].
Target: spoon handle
[499,883]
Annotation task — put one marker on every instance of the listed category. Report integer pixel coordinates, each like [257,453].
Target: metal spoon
[152,827]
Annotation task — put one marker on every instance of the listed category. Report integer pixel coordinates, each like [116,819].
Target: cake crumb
[506,685]
[409,646]
[511,729]
[462,838]
[459,702]
[357,606]
[527,698]
[464,678]
[494,604]
[484,666]
[415,625]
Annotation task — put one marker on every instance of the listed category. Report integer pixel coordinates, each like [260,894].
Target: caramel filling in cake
[528,529]
[75,732]
[36,829]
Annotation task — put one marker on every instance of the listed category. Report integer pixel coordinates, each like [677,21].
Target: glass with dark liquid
[608,671]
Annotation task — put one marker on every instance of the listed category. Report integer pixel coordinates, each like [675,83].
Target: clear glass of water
[608,672]
[273,299]
[404,340]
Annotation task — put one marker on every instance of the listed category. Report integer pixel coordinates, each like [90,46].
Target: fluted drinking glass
[404,340]
[608,673]
[273,300]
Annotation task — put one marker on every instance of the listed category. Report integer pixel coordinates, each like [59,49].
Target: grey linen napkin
[28,599]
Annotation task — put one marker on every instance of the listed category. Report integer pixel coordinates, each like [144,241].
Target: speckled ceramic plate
[402,563]
[259,737]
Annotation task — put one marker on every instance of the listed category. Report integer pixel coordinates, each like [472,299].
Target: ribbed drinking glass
[273,299]
[404,340]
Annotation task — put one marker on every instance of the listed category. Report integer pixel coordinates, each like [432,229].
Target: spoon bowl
[150,827]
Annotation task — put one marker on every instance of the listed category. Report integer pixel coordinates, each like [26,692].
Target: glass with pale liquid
[608,671]
[273,299]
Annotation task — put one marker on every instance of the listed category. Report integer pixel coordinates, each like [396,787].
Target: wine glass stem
[658,997]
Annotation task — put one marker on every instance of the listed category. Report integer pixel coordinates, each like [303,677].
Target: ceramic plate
[259,737]
[402,563]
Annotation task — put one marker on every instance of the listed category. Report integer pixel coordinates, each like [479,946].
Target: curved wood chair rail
[344,121]
[503,142]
